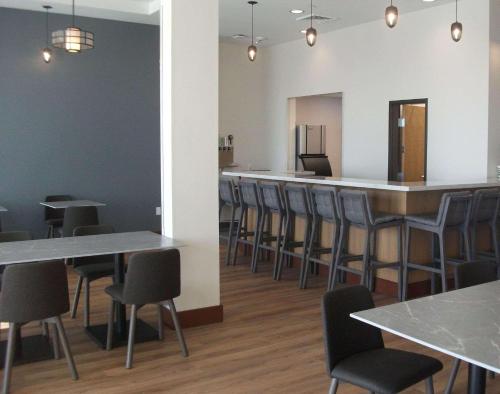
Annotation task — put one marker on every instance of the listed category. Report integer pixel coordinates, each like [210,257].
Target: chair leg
[55,342]
[287,232]
[160,322]
[9,357]
[131,337]
[453,376]
[334,386]
[366,261]
[406,259]
[66,348]
[332,274]
[429,386]
[76,298]
[303,263]
[230,235]
[238,234]
[178,328]
[86,306]
[277,253]
[259,231]
[442,253]
[111,323]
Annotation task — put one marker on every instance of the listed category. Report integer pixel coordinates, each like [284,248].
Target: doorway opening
[408,140]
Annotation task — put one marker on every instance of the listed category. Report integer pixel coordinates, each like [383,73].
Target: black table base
[143,333]
[477,380]
[29,350]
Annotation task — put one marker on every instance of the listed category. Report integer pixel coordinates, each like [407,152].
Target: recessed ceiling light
[296,11]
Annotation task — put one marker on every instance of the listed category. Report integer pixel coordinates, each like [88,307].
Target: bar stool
[485,209]
[297,203]
[271,198]
[228,197]
[324,206]
[355,211]
[249,200]
[454,214]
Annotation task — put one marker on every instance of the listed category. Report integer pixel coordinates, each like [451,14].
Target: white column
[189,132]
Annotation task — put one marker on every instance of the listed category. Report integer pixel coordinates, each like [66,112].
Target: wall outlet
[158,211]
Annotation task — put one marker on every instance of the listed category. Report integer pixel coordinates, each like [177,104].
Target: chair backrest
[354,207]
[271,196]
[324,203]
[485,205]
[14,236]
[343,335]
[34,291]
[475,273]
[152,277]
[248,193]
[92,230]
[455,209]
[51,213]
[78,217]
[297,200]
[227,191]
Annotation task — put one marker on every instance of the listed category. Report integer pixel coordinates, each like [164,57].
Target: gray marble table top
[72,203]
[92,245]
[3,209]
[464,323]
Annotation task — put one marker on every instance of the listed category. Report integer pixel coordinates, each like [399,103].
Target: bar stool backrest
[15,236]
[92,230]
[152,277]
[485,205]
[248,193]
[227,192]
[455,209]
[354,207]
[51,213]
[297,200]
[324,202]
[476,273]
[78,217]
[34,291]
[272,196]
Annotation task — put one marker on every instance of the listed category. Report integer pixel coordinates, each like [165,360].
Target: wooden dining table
[36,348]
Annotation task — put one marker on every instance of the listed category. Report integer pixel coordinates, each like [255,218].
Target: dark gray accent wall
[87,125]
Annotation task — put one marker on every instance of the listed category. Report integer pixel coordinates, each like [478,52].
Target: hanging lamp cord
[456,10]
[311,13]
[47,26]
[252,25]
[74,13]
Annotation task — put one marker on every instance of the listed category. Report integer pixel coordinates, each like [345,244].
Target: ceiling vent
[315,17]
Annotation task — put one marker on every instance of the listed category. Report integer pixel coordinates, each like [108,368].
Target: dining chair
[13,236]
[152,278]
[89,269]
[31,292]
[77,217]
[356,354]
[54,217]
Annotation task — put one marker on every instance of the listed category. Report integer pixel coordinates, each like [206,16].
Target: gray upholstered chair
[13,236]
[152,278]
[90,268]
[31,292]
[356,354]
[78,217]
[228,196]
[355,210]
[54,217]
[471,274]
[454,214]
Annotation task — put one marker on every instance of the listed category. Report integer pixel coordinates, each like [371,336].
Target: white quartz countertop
[92,245]
[464,323]
[365,183]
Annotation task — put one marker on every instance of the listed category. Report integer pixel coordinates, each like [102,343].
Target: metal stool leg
[442,252]
[160,322]
[9,357]
[131,337]
[406,260]
[453,376]
[178,328]
[66,348]
[76,298]
[111,323]
[429,386]
[86,306]
[55,342]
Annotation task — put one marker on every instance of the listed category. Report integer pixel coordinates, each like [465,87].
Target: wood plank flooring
[270,342]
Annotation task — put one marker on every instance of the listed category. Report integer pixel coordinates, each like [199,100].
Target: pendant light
[311,33]
[252,49]
[391,16]
[456,27]
[73,39]
[47,52]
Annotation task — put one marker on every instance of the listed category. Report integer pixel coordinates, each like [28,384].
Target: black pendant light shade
[456,27]
[47,52]
[311,33]
[252,49]
[73,39]
[391,16]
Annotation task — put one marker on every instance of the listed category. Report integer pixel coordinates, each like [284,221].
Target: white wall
[189,77]
[494,132]
[242,91]
[373,65]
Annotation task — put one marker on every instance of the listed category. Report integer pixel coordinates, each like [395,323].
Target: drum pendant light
[391,16]
[73,39]
[47,52]
[311,33]
[456,27]
[252,49]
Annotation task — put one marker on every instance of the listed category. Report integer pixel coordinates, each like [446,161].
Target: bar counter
[403,198]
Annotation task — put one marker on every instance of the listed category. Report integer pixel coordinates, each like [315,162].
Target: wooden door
[413,139]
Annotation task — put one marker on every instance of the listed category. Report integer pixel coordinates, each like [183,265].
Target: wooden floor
[270,342]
